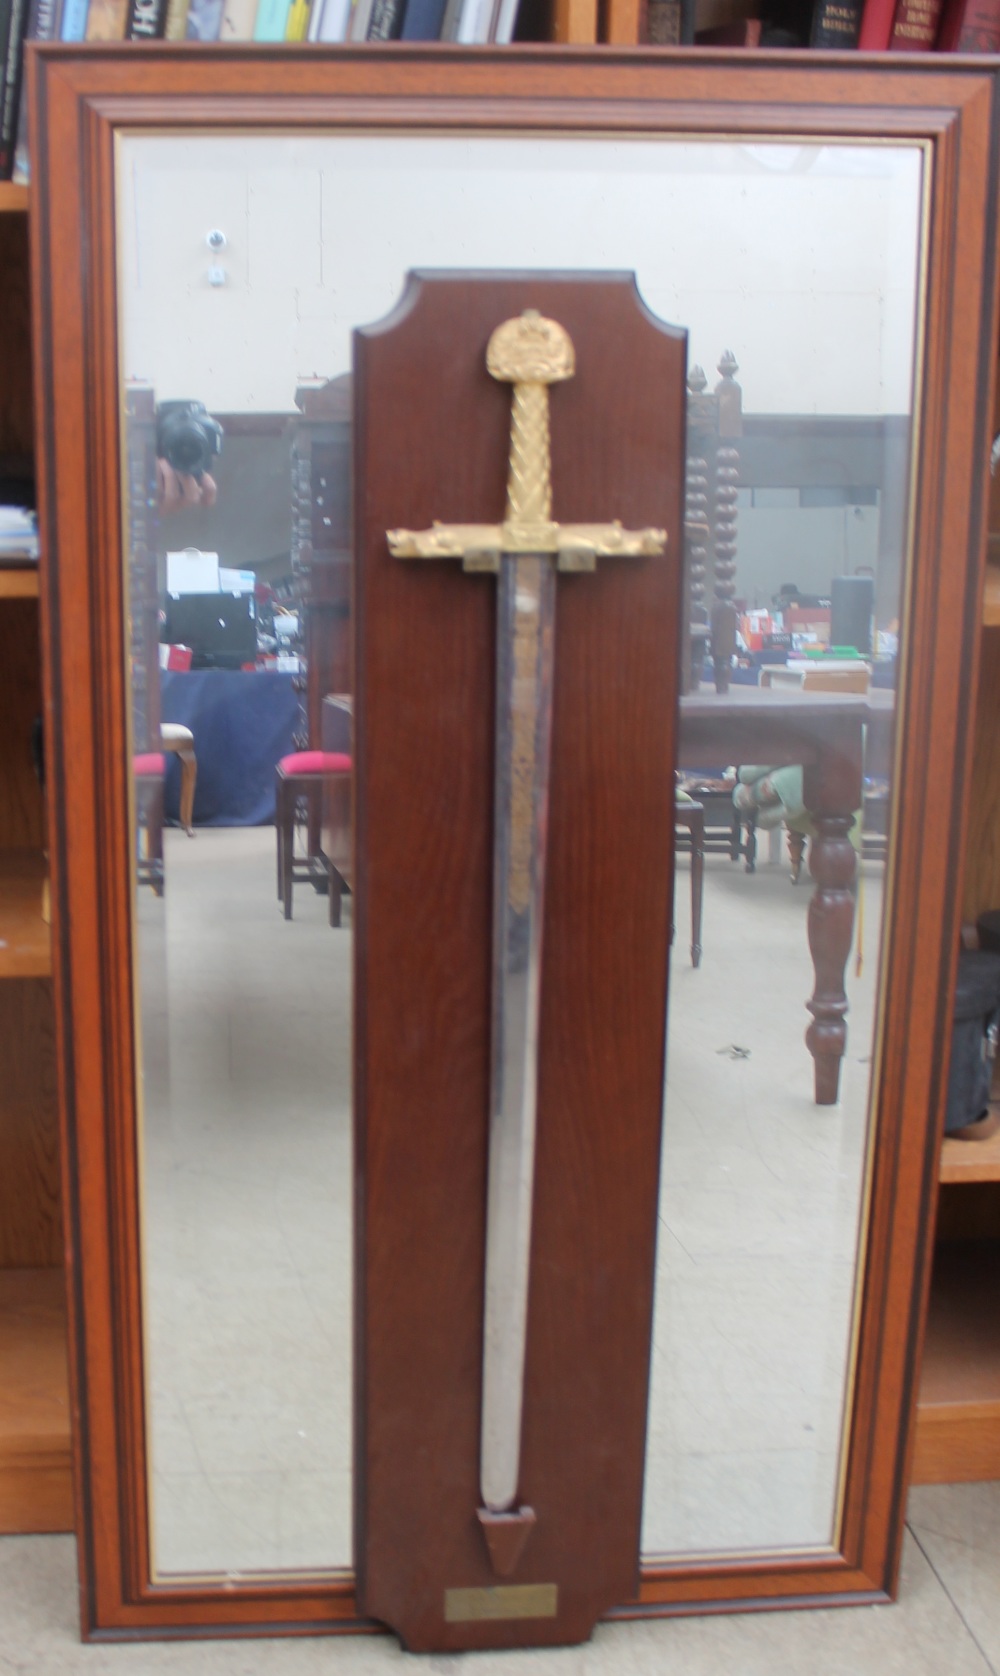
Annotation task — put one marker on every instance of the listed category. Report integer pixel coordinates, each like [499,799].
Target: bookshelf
[958,1409]
[35,1466]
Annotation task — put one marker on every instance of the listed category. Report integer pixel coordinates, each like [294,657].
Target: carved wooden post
[714,422]
[697,530]
[729,425]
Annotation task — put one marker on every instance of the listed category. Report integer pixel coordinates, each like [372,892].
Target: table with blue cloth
[243,724]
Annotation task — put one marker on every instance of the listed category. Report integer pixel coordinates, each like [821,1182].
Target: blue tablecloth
[243,725]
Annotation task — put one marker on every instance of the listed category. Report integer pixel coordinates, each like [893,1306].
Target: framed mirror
[222,243]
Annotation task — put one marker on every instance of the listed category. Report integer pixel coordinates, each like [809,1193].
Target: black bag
[974,1037]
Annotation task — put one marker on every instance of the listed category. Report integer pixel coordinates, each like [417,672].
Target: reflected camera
[187,437]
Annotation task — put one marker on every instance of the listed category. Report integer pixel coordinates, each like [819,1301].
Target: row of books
[908,25]
[465,21]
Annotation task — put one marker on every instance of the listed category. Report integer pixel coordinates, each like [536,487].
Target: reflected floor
[247,1213]
[248,1220]
[759,1203]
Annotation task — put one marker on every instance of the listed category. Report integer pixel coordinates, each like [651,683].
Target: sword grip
[529,472]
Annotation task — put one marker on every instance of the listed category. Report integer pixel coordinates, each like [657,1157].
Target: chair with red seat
[300,780]
[148,769]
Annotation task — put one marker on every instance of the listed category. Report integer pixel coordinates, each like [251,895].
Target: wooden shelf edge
[25,939]
[36,1465]
[19,582]
[970,1160]
[12,198]
[956,1443]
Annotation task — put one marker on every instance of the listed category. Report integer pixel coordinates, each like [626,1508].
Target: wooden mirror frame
[79,100]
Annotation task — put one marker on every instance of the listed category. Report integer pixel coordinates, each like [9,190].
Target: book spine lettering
[916,26]
[386,20]
[146,20]
[970,26]
[836,23]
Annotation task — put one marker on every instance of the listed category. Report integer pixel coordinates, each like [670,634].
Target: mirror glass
[245,262]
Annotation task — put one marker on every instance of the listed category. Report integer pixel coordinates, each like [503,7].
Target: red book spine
[916,26]
[876,25]
[970,26]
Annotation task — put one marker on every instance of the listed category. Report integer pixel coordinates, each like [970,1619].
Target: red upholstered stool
[300,779]
[148,769]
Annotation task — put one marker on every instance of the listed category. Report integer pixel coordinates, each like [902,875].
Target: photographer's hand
[177,489]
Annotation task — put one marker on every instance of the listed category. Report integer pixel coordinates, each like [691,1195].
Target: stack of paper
[18,535]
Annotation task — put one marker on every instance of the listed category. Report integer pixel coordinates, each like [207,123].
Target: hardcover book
[386,20]
[424,18]
[176,24]
[915,26]
[330,20]
[146,20]
[876,25]
[106,20]
[204,19]
[10,92]
[238,19]
[272,18]
[836,24]
[970,26]
[297,25]
[43,24]
[74,21]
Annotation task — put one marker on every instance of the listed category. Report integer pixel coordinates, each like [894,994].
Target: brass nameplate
[507,1600]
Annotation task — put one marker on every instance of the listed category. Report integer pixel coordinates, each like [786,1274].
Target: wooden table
[830,734]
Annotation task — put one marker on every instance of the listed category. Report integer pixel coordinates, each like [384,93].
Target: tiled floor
[945,1623]
[248,1223]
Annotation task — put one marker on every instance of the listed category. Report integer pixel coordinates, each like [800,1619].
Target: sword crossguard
[529,352]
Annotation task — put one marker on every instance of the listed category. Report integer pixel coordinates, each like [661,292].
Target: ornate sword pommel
[530,350]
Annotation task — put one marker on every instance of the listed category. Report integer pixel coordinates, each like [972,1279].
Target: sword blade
[525,640]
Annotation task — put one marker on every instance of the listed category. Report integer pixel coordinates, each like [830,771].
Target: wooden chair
[689,836]
[180,741]
[300,779]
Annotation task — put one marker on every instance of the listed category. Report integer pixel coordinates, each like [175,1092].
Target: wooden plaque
[432,432]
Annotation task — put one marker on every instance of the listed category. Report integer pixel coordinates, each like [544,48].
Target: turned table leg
[832,795]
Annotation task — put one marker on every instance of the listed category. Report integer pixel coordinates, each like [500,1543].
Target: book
[204,20]
[357,29]
[74,21]
[836,24]
[297,26]
[746,33]
[272,17]
[43,25]
[11,87]
[876,25]
[660,23]
[424,18]
[145,20]
[176,23]
[386,20]
[329,20]
[106,20]
[915,26]
[238,19]
[970,26]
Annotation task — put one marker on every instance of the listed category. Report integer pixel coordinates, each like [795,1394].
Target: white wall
[802,259]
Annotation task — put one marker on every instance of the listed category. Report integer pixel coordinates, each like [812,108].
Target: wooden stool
[180,741]
[300,779]
[691,817]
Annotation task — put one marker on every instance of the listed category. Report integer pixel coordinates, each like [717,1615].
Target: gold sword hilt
[530,352]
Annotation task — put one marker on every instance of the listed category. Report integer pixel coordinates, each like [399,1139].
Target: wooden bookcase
[35,1475]
[958,1412]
